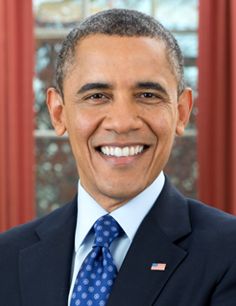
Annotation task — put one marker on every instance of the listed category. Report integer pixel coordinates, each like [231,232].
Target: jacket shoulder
[26,234]
[214,226]
[209,216]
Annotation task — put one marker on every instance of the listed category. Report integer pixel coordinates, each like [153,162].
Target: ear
[185,104]
[56,110]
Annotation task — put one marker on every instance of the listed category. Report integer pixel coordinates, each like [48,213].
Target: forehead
[102,56]
[102,45]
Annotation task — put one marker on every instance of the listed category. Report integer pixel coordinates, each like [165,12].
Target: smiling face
[121,112]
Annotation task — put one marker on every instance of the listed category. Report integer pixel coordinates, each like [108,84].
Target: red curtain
[16,113]
[217,104]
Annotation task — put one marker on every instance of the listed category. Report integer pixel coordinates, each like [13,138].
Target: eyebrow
[91,86]
[151,85]
[139,85]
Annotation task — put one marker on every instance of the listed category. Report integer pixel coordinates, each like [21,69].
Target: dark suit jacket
[197,243]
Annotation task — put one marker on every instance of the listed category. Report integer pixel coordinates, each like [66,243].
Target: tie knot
[106,230]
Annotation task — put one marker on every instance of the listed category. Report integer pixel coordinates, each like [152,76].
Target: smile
[121,152]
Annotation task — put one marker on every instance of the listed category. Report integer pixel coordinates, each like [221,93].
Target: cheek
[163,125]
[80,124]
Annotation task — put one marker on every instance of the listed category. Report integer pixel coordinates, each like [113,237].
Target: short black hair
[121,22]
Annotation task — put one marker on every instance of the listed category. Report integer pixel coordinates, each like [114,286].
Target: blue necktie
[98,272]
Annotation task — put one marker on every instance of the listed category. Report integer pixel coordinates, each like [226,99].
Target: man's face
[121,112]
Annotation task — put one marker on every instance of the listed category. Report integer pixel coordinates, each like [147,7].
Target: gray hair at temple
[119,22]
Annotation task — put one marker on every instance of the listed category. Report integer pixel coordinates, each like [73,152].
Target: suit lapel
[167,222]
[45,265]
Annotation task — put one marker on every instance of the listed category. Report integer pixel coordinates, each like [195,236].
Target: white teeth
[140,149]
[111,150]
[118,151]
[125,151]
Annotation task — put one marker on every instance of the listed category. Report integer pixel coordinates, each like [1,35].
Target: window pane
[182,166]
[178,14]
[46,52]
[56,173]
[57,14]
[140,5]
[188,43]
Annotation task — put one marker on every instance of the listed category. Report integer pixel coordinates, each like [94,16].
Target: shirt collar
[89,211]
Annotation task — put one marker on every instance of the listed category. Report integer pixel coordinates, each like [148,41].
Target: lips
[125,151]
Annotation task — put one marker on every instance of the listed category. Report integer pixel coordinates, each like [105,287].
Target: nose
[123,116]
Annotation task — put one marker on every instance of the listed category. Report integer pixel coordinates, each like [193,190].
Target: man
[120,96]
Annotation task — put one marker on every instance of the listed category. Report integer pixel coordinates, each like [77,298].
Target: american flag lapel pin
[158,266]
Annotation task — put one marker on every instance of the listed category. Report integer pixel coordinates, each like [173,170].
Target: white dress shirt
[129,217]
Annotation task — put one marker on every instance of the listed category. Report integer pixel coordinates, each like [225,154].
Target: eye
[148,95]
[97,96]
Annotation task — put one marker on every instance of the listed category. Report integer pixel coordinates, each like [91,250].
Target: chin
[122,194]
